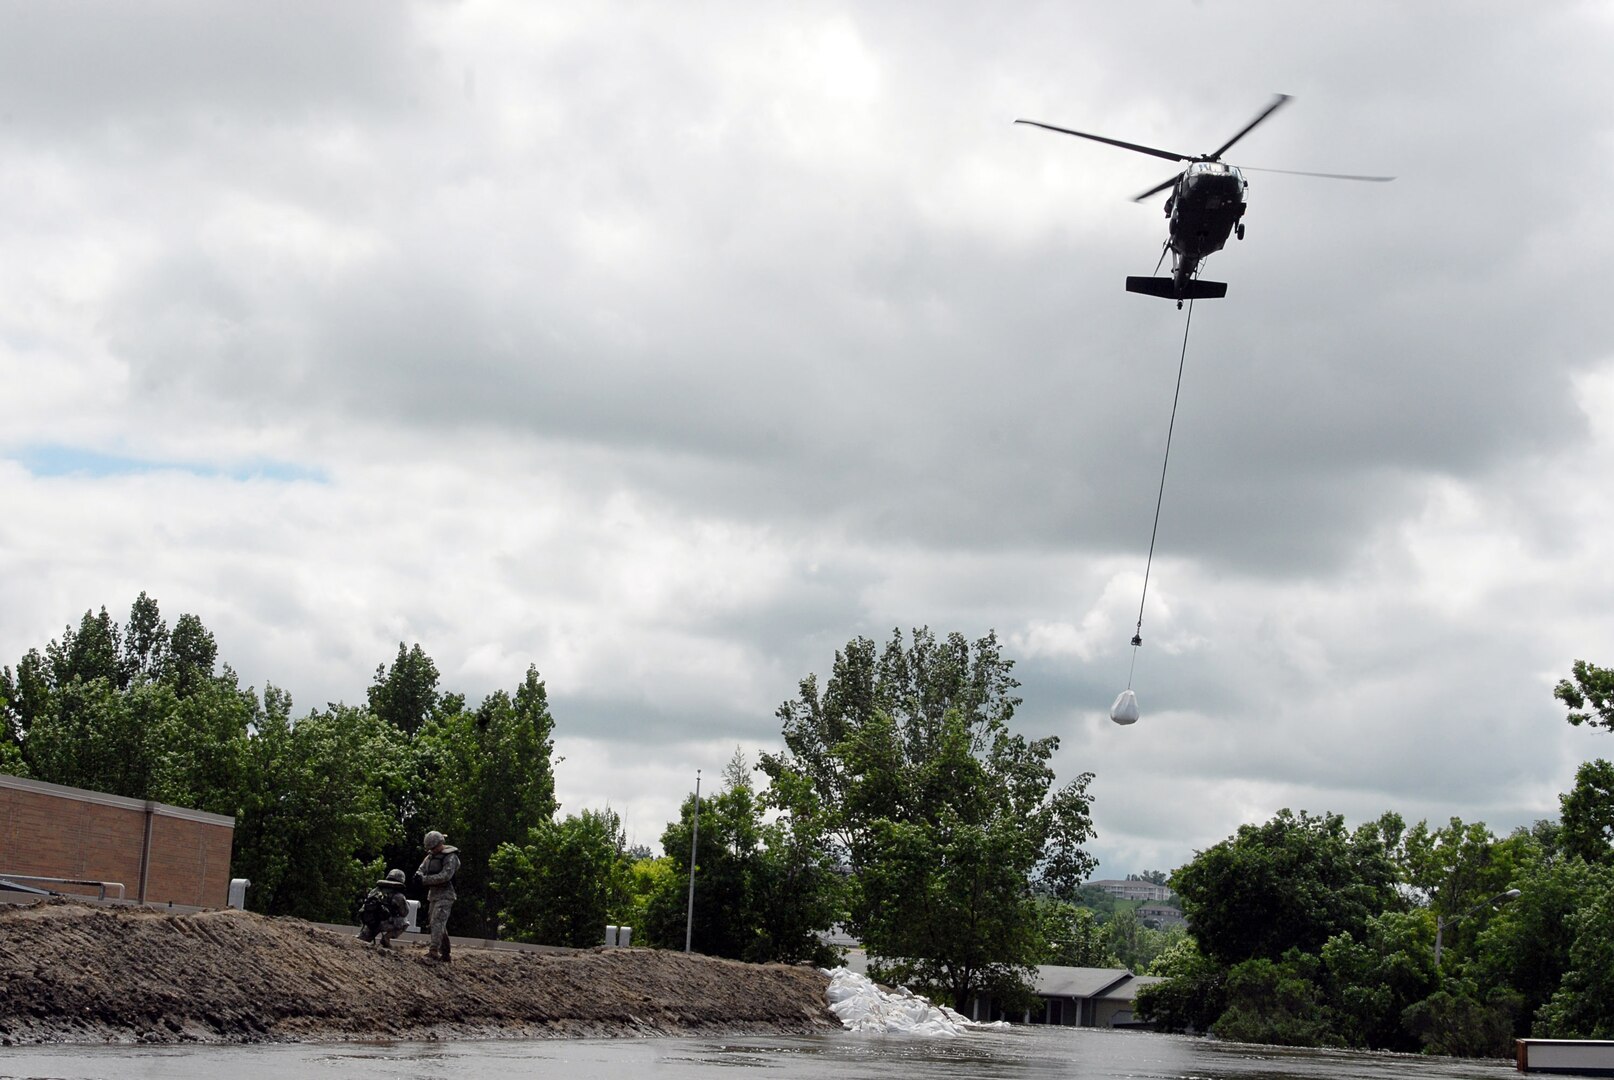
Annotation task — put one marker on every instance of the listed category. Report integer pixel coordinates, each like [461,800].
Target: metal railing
[103,886]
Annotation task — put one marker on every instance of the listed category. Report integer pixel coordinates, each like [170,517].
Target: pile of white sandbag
[862,1006]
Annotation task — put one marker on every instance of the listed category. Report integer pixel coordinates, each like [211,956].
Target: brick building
[160,854]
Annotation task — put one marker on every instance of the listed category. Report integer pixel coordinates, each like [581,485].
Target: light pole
[694,841]
[1441,920]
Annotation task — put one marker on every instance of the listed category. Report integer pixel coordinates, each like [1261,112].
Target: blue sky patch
[53,461]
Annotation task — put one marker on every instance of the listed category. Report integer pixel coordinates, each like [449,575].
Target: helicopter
[1206,205]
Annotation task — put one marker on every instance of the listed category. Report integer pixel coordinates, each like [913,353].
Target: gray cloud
[669,354]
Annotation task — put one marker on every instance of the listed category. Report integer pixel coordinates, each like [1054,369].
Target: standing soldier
[436,872]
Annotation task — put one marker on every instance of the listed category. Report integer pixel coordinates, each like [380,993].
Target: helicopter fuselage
[1206,204]
[1205,207]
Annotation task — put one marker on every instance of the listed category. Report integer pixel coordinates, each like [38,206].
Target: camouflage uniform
[437,874]
[395,917]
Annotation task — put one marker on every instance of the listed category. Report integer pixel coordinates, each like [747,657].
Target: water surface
[1021,1053]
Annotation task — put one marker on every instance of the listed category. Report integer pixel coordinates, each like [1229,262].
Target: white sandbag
[863,1006]
[1125,709]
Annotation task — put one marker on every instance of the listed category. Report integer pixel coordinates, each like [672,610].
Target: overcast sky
[669,346]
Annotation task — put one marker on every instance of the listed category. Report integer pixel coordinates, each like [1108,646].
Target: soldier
[436,872]
[385,912]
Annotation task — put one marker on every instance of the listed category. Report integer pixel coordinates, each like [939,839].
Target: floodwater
[1021,1053]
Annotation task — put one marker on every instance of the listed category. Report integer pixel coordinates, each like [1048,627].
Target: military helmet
[394,877]
[434,838]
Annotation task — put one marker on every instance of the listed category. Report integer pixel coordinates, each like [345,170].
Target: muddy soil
[80,974]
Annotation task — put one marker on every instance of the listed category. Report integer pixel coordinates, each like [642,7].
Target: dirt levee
[74,973]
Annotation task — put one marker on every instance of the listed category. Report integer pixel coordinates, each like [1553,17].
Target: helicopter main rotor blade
[1167,154]
[1324,175]
[1158,188]
[1277,103]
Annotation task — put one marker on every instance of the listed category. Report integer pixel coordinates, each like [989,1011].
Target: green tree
[122,710]
[1099,902]
[192,656]
[1592,689]
[1135,944]
[1454,870]
[92,652]
[1588,813]
[11,763]
[316,816]
[1583,1005]
[1456,1022]
[946,820]
[1453,867]
[800,885]
[199,744]
[1193,995]
[1371,979]
[725,843]
[763,891]
[1276,1002]
[1291,883]
[567,882]
[94,737]
[1073,937]
[485,778]
[27,693]
[405,695]
[145,642]
[1526,944]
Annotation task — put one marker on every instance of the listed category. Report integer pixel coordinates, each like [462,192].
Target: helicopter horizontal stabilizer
[1167,288]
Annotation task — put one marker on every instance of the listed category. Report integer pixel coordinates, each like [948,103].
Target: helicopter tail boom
[1167,288]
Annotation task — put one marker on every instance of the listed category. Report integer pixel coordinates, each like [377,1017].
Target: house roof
[1054,980]
[1128,989]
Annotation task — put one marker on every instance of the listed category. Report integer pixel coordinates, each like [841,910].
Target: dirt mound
[74,973]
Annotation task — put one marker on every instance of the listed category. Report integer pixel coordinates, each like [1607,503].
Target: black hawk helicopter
[1206,205]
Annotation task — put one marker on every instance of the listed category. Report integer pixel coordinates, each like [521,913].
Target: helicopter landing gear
[1240,230]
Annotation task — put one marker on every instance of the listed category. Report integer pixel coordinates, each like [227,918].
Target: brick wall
[48,830]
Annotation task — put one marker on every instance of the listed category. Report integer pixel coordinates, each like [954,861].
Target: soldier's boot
[445,950]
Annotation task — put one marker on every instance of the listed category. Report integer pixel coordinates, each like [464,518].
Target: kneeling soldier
[385,912]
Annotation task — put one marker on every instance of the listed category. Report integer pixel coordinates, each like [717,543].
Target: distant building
[838,937]
[88,843]
[1075,997]
[1133,890]
[1160,916]
[1071,996]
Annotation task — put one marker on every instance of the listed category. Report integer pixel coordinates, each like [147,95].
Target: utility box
[238,893]
[624,936]
[611,935]
[414,915]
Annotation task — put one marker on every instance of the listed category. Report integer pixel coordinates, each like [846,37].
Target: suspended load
[1125,709]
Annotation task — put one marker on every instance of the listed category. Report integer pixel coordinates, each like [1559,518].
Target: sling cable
[1125,709]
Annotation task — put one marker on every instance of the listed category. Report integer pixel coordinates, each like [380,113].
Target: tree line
[1449,939]
[902,808]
